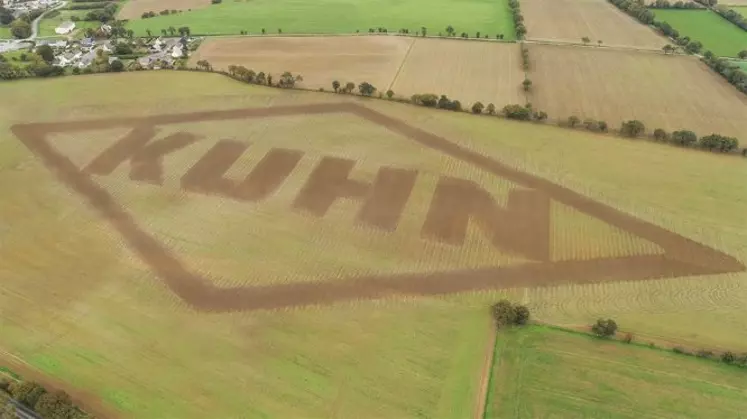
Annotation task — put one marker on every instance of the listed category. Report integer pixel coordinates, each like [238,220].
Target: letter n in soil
[522,227]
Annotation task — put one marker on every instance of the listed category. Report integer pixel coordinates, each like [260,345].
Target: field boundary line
[402,65]
[486,374]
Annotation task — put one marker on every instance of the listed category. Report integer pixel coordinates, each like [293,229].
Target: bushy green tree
[604,328]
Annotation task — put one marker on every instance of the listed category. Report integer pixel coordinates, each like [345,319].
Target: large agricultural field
[571,20]
[320,60]
[346,17]
[48,24]
[475,71]
[616,85]
[716,33]
[138,283]
[544,372]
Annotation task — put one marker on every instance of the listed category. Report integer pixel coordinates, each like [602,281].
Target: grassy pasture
[48,24]
[544,372]
[5,32]
[329,17]
[716,33]
[79,306]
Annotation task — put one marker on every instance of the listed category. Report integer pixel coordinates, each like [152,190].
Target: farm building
[65,28]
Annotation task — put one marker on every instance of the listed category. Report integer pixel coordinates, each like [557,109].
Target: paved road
[35,23]
[23,412]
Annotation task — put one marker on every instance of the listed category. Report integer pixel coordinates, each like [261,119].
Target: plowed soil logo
[521,226]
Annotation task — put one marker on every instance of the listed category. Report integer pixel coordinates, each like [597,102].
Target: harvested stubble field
[320,60]
[717,34]
[338,16]
[467,71]
[669,92]
[134,9]
[474,71]
[105,321]
[544,372]
[571,20]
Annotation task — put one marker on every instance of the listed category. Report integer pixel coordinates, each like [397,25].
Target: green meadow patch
[716,33]
[546,372]
[343,16]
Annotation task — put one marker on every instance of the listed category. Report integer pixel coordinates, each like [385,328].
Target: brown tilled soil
[681,257]
[571,20]
[320,60]
[134,9]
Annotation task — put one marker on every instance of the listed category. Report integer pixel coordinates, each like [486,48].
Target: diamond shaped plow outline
[681,257]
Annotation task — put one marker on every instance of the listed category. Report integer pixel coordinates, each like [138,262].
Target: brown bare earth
[669,92]
[571,20]
[134,9]
[467,71]
[320,60]
[680,256]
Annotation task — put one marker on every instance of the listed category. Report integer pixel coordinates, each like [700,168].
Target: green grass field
[48,24]
[5,32]
[346,16]
[742,10]
[716,33]
[540,372]
[76,305]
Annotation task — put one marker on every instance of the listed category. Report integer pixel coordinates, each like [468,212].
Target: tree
[517,112]
[349,86]
[573,121]
[287,80]
[743,54]
[45,51]
[521,315]
[668,49]
[423,30]
[599,42]
[148,32]
[507,314]
[632,128]
[204,65]
[269,79]
[660,135]
[728,357]
[116,66]
[527,85]
[6,16]
[172,30]
[163,32]
[55,405]
[8,411]
[586,40]
[591,124]
[263,31]
[693,47]
[477,108]
[366,89]
[389,93]
[20,29]
[719,143]
[336,85]
[539,116]
[602,126]
[684,138]
[490,109]
[604,328]
[27,392]
[450,30]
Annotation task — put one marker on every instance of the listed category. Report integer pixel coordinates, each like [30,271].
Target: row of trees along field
[519,27]
[33,396]
[666,4]
[607,328]
[731,72]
